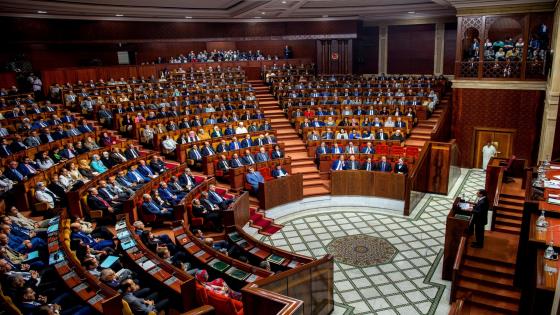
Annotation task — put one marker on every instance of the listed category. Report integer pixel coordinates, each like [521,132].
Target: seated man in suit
[223,164]
[339,165]
[397,136]
[145,170]
[195,155]
[277,153]
[187,180]
[175,186]
[135,176]
[262,156]
[368,149]
[215,198]
[222,147]
[131,152]
[368,165]
[352,164]
[125,182]
[351,149]
[247,142]
[166,193]
[158,165]
[328,135]
[86,238]
[236,161]
[278,171]
[96,202]
[13,172]
[207,149]
[113,199]
[270,139]
[400,123]
[248,158]
[380,135]
[313,136]
[400,167]
[142,301]
[383,165]
[321,149]
[149,206]
[234,144]
[254,178]
[204,211]
[43,194]
[336,149]
[217,132]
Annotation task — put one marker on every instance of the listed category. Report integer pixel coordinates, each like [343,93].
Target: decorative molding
[206,39]
[499,85]
[503,9]
[435,20]
[383,47]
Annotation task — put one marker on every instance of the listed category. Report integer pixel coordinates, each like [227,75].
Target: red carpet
[264,225]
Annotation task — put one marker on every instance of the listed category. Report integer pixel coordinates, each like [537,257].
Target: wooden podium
[456,226]
[280,191]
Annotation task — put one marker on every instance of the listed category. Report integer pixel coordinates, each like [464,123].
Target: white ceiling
[240,10]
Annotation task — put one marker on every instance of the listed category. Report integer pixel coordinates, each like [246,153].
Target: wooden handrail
[457,264]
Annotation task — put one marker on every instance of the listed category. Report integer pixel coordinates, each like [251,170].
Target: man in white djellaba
[488,151]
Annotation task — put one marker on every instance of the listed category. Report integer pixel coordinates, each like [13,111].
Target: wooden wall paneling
[520,110]
[7,79]
[450,42]
[411,48]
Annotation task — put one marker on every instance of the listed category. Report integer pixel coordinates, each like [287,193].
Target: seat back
[412,151]
[224,305]
[381,149]
[265,172]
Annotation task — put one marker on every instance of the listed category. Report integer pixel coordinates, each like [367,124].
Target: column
[550,112]
[439,48]
[383,30]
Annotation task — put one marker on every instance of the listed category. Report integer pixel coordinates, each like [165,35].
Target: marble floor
[408,284]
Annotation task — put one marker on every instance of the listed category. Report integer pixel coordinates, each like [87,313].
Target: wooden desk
[455,227]
[280,191]
[364,183]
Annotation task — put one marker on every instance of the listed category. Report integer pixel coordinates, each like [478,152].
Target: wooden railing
[457,265]
[304,290]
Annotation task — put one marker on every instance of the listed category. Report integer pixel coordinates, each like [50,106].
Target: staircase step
[305,170]
[506,213]
[491,290]
[487,278]
[507,229]
[509,196]
[495,307]
[509,207]
[315,191]
[314,183]
[492,267]
[509,222]
[511,201]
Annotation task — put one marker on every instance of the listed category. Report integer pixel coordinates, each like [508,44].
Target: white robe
[487,153]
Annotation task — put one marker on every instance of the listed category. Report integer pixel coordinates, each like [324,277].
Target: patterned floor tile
[403,286]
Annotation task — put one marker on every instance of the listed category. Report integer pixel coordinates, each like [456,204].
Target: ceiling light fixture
[263,13]
[284,2]
[258,17]
[411,12]
[188,17]
[119,15]
[42,12]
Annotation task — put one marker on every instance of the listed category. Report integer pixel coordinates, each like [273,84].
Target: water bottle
[541,221]
[549,253]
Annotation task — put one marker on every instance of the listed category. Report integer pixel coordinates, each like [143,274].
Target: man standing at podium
[480,218]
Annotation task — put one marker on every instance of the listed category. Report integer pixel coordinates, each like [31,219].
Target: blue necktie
[18,174]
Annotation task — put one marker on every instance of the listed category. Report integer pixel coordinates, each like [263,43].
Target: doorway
[501,138]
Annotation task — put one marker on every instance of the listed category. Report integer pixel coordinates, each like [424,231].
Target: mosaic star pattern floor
[408,284]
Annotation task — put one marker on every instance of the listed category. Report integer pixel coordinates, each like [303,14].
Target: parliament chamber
[279,157]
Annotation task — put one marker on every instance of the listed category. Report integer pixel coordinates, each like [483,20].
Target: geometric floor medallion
[361,250]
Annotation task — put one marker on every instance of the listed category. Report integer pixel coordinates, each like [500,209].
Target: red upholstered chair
[218,172]
[199,179]
[412,152]
[397,150]
[224,305]
[266,173]
[195,221]
[382,149]
[201,297]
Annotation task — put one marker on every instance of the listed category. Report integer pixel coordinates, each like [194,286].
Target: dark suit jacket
[480,211]
[403,169]
[387,167]
[95,204]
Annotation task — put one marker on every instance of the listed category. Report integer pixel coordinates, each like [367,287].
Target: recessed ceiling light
[188,17]
[263,13]
[119,15]
[411,12]
[42,12]
[284,2]
[258,17]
